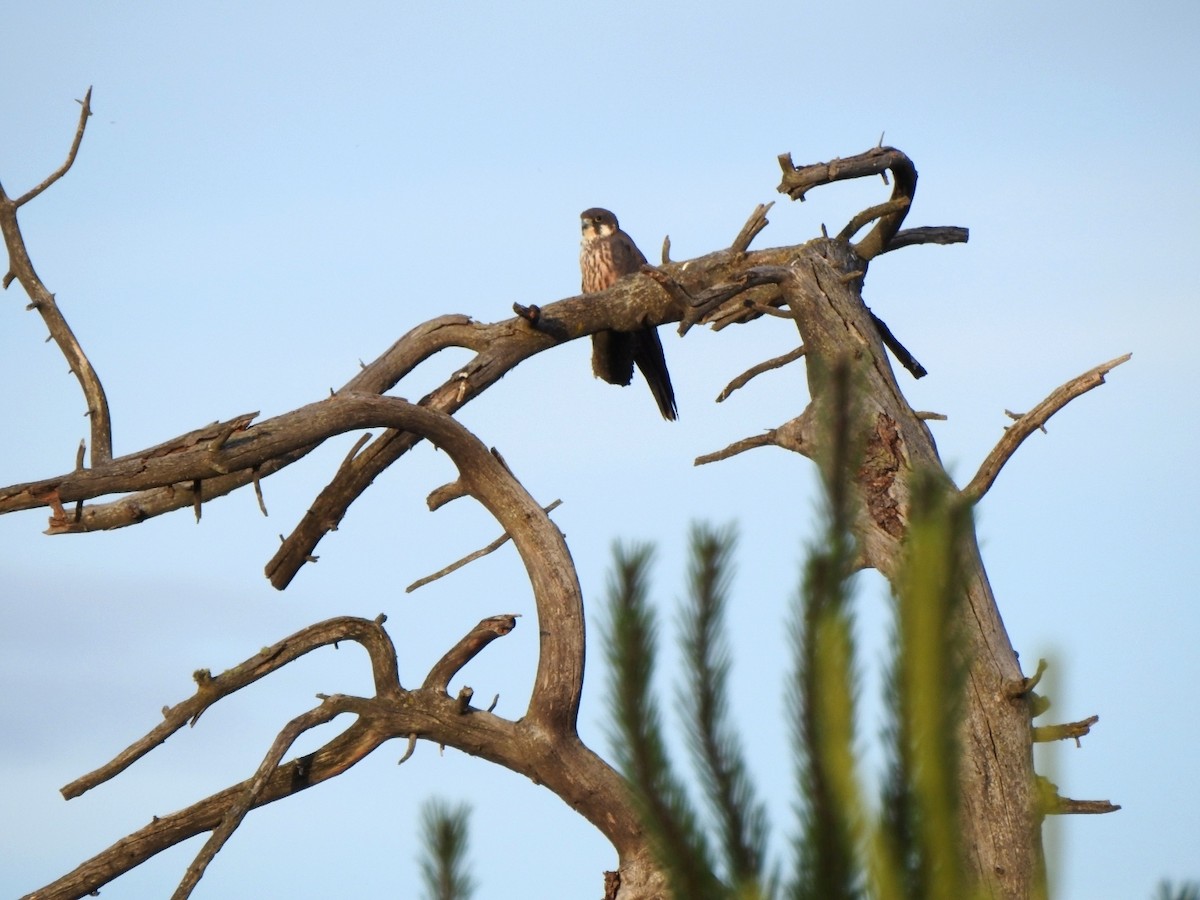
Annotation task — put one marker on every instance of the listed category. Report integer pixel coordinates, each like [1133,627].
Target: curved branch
[21,268]
[209,689]
[797,182]
[467,649]
[1030,422]
[85,113]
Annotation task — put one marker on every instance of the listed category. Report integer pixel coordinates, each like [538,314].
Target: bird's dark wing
[626,256]
[648,354]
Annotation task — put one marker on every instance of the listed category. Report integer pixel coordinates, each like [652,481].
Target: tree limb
[21,268]
[330,708]
[754,371]
[798,182]
[1033,420]
[467,649]
[209,689]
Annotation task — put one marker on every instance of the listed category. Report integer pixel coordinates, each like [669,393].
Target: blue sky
[267,196]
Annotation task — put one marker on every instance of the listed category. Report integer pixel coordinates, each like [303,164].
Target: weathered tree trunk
[999,805]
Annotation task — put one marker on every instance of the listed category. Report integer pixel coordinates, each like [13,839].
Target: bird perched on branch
[607,254]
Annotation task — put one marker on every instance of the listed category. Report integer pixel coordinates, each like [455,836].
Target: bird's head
[597,223]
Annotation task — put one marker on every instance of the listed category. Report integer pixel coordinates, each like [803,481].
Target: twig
[1031,421]
[258,492]
[85,113]
[1065,806]
[792,435]
[470,557]
[711,298]
[1018,689]
[903,357]
[1068,730]
[408,752]
[754,371]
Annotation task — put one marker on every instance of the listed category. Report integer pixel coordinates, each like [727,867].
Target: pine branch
[639,749]
[444,857]
[716,750]
[823,691]
[932,669]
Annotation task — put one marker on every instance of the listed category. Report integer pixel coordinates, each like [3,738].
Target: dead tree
[815,286]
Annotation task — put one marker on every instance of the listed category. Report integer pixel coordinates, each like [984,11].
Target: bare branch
[905,358]
[330,708]
[754,371]
[467,649]
[1065,806]
[20,267]
[1053,804]
[334,758]
[85,113]
[1069,730]
[471,557]
[1025,686]
[756,223]
[855,225]
[797,182]
[712,298]
[1031,421]
[209,689]
[792,435]
[929,234]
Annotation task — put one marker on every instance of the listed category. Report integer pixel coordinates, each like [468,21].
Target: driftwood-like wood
[816,287]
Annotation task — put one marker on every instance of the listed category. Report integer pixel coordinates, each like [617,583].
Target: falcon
[607,254]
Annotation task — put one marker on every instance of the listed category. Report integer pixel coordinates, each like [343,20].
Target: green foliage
[443,861]
[1189,890]
[842,849]
[637,731]
[740,819]
[919,825]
